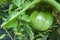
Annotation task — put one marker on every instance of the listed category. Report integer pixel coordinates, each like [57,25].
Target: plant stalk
[17,14]
[54,4]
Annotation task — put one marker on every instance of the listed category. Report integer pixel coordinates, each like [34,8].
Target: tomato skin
[41,21]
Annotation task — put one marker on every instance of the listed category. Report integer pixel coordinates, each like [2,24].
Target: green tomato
[41,21]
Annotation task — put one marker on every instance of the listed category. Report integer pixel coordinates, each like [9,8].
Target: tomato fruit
[41,21]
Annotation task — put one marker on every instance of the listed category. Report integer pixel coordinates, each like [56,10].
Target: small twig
[8,33]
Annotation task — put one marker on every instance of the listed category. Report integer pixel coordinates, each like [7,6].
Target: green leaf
[45,37]
[29,31]
[17,2]
[39,39]
[25,4]
[24,17]
[12,23]
[11,14]
[10,7]
[2,36]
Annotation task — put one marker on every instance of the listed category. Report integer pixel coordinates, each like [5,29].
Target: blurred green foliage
[20,25]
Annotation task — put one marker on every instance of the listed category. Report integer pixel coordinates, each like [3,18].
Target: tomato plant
[41,20]
[29,19]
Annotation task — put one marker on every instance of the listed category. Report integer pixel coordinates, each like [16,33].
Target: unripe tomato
[41,21]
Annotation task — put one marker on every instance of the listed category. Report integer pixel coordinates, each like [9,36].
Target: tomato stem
[17,14]
[53,3]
